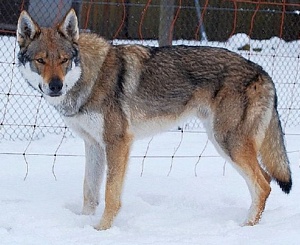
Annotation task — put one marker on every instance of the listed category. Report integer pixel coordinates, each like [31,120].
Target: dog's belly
[149,128]
[143,124]
[142,128]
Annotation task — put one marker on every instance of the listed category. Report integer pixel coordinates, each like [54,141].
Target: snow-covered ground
[165,201]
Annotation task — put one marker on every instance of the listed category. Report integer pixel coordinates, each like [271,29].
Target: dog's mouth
[53,94]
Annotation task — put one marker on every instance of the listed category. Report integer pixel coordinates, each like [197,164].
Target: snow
[179,200]
[159,206]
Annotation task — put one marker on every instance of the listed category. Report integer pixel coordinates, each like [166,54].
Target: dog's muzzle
[55,87]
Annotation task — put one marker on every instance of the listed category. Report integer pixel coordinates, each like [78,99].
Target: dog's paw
[249,223]
[100,227]
[103,225]
[88,210]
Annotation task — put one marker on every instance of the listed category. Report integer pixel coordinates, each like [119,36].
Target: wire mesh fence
[266,32]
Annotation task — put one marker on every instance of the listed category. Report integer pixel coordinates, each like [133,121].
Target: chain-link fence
[266,32]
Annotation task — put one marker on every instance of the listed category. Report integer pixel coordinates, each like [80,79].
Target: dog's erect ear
[27,28]
[69,26]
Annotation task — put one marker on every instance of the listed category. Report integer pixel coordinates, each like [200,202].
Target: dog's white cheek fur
[72,77]
[32,77]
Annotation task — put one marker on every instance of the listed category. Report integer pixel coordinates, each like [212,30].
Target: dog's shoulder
[93,45]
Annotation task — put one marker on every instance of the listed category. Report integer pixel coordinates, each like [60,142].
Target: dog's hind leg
[94,170]
[117,151]
[244,157]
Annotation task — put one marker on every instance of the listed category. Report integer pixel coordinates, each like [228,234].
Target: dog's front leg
[94,169]
[117,159]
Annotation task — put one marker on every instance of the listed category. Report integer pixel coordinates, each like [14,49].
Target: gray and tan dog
[111,95]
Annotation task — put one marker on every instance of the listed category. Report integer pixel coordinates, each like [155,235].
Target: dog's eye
[64,60]
[41,61]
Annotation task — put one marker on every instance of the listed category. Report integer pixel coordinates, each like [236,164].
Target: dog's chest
[88,126]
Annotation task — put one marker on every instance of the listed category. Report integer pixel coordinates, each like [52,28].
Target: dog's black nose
[55,86]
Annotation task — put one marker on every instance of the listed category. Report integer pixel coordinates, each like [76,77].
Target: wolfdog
[111,95]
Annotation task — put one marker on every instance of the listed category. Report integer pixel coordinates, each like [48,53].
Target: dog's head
[49,57]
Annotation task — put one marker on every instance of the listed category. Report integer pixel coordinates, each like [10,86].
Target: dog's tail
[273,153]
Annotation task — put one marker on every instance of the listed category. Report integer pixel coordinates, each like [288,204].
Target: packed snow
[185,199]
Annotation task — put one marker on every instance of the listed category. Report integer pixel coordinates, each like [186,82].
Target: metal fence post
[165,22]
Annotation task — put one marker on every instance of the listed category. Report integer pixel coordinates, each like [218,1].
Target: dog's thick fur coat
[111,95]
